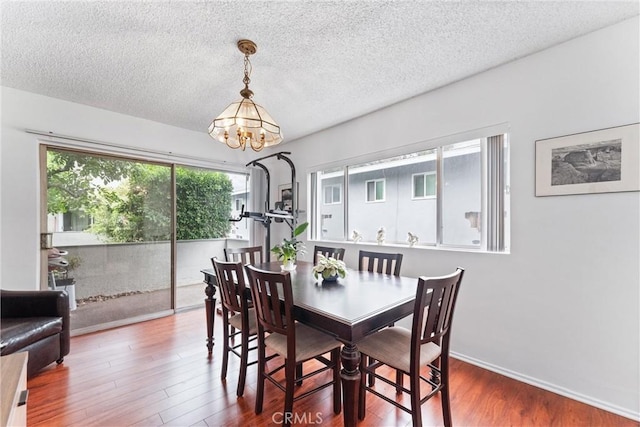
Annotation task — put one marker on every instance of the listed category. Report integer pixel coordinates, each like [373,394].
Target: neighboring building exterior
[401,197]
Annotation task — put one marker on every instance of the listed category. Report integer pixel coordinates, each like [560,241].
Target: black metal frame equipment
[270,215]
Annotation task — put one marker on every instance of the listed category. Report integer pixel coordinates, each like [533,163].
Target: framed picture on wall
[600,161]
[286,196]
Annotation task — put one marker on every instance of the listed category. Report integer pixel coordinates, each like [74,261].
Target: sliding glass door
[111,220]
[206,201]
[131,237]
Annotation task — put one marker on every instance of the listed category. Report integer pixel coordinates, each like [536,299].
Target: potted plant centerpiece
[329,268]
[289,249]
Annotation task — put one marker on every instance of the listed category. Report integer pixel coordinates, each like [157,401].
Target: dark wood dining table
[349,309]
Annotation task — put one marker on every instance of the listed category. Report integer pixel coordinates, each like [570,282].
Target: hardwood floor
[158,373]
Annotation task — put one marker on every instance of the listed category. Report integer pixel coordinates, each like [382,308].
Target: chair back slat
[272,299]
[250,255]
[380,262]
[337,253]
[436,297]
[231,284]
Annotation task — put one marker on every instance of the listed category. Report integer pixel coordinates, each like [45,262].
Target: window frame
[495,149]
[332,186]
[425,196]
[375,192]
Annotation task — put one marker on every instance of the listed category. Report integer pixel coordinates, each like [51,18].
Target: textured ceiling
[319,63]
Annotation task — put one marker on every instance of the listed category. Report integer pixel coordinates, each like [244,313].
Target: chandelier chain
[247,71]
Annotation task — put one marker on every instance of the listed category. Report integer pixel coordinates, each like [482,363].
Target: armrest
[34,304]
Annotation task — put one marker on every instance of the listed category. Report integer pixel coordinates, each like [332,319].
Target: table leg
[210,307]
[350,374]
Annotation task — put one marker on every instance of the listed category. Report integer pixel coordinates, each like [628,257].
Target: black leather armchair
[37,322]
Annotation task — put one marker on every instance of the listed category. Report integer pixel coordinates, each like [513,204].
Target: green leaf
[300,229]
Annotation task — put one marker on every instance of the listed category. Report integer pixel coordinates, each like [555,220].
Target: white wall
[562,309]
[19,172]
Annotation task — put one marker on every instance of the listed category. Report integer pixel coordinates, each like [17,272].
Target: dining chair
[238,319]
[295,342]
[249,255]
[424,347]
[337,253]
[380,262]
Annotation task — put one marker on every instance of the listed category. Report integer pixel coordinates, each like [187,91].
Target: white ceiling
[319,63]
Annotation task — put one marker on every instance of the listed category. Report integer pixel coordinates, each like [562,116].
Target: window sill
[370,245]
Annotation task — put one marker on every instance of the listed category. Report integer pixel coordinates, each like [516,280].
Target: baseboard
[549,387]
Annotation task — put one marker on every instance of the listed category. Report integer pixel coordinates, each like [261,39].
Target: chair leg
[290,380]
[399,381]
[362,398]
[435,377]
[416,413]
[372,379]
[446,406]
[225,343]
[299,374]
[244,356]
[337,389]
[444,392]
[261,372]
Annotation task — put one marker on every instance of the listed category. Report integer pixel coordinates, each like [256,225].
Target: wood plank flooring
[158,373]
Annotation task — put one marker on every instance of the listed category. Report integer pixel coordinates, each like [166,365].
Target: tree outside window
[129,201]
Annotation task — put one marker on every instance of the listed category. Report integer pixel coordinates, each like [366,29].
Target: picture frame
[599,161]
[286,196]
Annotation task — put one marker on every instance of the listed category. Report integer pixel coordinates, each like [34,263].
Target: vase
[289,265]
[330,279]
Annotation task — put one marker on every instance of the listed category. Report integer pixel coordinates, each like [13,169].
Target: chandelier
[244,122]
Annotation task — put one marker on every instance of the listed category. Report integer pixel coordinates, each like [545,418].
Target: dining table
[349,309]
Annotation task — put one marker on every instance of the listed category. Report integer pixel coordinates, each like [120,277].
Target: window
[240,201]
[398,214]
[450,195]
[424,185]
[375,190]
[332,194]
[76,220]
[461,195]
[330,223]
[137,226]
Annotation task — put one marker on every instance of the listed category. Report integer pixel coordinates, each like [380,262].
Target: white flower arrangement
[329,267]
